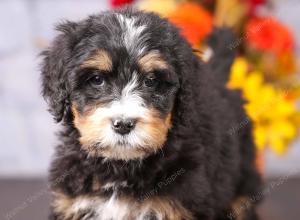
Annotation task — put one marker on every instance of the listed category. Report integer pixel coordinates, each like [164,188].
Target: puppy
[147,128]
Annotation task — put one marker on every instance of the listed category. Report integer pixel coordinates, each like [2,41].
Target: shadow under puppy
[147,126]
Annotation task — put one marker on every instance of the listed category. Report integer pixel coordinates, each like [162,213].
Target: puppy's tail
[221,43]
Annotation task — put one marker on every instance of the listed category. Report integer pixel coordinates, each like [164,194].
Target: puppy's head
[115,78]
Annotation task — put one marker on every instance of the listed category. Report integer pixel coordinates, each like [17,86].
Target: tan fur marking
[101,60]
[88,125]
[123,154]
[157,128]
[96,186]
[240,206]
[63,205]
[152,61]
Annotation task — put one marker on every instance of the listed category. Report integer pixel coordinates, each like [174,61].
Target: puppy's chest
[118,207]
[110,208]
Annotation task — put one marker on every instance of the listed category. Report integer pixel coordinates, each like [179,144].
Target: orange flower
[268,34]
[194,21]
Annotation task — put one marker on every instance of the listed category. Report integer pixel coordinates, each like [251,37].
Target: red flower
[256,2]
[268,34]
[119,3]
[253,5]
[194,21]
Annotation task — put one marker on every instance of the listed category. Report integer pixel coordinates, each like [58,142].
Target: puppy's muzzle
[123,125]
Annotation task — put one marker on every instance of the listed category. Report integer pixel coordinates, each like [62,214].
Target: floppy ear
[188,67]
[54,72]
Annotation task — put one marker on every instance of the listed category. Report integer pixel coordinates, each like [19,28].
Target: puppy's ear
[54,71]
[184,108]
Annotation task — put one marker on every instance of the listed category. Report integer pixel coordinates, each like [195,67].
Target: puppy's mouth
[124,141]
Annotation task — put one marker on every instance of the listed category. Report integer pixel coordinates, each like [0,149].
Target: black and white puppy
[148,128]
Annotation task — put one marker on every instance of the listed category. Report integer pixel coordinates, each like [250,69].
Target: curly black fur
[218,164]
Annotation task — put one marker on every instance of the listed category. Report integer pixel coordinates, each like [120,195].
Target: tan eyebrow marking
[101,60]
[152,61]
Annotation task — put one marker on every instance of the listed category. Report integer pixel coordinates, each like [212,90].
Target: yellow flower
[238,73]
[164,8]
[270,110]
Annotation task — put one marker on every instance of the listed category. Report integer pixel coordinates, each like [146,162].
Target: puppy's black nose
[123,126]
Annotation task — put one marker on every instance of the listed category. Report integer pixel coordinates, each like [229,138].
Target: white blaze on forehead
[132,34]
[131,104]
[132,84]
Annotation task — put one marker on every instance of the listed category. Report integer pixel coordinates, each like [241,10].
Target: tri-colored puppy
[148,128]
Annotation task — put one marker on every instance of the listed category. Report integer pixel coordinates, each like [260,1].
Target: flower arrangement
[265,69]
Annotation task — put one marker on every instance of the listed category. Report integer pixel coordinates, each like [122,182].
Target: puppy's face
[123,84]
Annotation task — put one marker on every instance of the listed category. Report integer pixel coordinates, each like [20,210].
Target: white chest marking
[118,208]
[111,209]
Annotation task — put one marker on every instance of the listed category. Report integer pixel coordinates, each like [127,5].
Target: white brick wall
[26,128]
[288,12]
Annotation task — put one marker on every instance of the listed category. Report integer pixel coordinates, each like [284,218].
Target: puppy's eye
[151,81]
[96,80]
